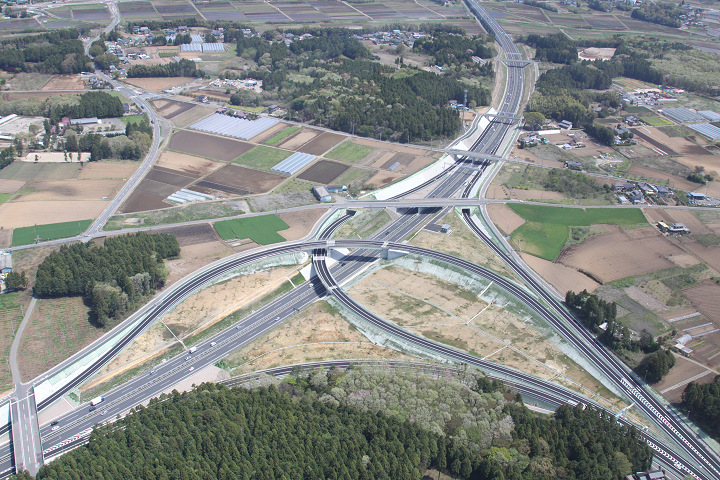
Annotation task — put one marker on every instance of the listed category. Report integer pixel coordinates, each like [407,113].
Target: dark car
[54,423]
[91,409]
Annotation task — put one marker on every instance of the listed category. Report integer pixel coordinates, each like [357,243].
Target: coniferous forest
[353,425]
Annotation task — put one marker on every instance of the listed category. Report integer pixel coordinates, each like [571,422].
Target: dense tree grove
[323,425]
[447,49]
[655,366]
[59,51]
[80,268]
[662,13]
[703,404]
[183,68]
[557,48]
[349,91]
[16,281]
[602,133]
[7,156]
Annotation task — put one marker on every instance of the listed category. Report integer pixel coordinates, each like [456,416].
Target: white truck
[96,400]
[192,350]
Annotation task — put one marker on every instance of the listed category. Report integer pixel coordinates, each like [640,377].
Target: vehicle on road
[53,423]
[97,400]
[192,368]
[55,427]
[193,350]
[91,409]
[103,412]
[212,344]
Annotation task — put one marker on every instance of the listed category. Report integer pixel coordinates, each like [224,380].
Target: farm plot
[169,108]
[505,219]
[209,146]
[66,82]
[671,145]
[300,222]
[337,10]
[52,231]
[24,214]
[350,152]
[40,171]
[158,84]
[321,144]
[299,139]
[674,181]
[174,8]
[606,22]
[711,163]
[192,234]
[629,255]
[62,190]
[236,180]
[19,24]
[378,11]
[11,186]
[262,157]
[158,184]
[90,14]
[302,12]
[262,230]
[194,166]
[323,171]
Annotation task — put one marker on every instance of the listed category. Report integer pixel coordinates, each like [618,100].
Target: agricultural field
[349,152]
[262,157]
[235,180]
[208,146]
[281,136]
[546,229]
[323,171]
[52,231]
[262,230]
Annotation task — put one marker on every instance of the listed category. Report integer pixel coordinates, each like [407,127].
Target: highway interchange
[688,456]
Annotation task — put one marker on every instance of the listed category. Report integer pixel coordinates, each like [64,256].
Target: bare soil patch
[158,84]
[673,180]
[192,234]
[66,82]
[670,145]
[706,297]
[188,117]
[196,256]
[670,216]
[140,201]
[194,166]
[321,144]
[299,139]
[711,163]
[10,186]
[209,146]
[380,179]
[526,155]
[237,180]
[684,260]
[559,276]
[40,171]
[418,163]
[323,171]
[62,190]
[673,385]
[26,214]
[58,328]
[5,237]
[100,170]
[390,146]
[620,253]
[316,333]
[300,222]
[269,133]
[172,177]
[504,218]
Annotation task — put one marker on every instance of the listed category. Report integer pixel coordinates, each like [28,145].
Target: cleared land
[505,219]
[208,146]
[158,84]
[24,214]
[317,333]
[57,329]
[262,230]
[262,157]
[195,166]
[66,82]
[321,144]
[300,223]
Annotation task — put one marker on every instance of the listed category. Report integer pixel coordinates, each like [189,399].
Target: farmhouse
[5,263]
[573,165]
[678,228]
[336,188]
[322,194]
[567,125]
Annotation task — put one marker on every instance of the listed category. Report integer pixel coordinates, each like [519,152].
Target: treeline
[601,133]
[7,156]
[556,48]
[133,145]
[56,52]
[572,184]
[593,312]
[91,104]
[113,276]
[448,49]
[313,427]
[183,68]
[539,4]
[702,403]
[667,14]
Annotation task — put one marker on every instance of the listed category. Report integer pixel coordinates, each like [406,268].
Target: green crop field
[274,140]
[546,231]
[261,230]
[262,158]
[51,231]
[138,118]
[4,197]
[349,152]
[656,121]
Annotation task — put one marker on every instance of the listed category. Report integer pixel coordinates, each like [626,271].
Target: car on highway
[53,423]
[212,344]
[92,409]
[54,427]
[103,412]
[192,368]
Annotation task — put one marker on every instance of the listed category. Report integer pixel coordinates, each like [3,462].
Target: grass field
[167,54]
[655,121]
[10,317]
[262,158]
[4,197]
[274,140]
[133,118]
[349,152]
[51,231]
[546,231]
[261,230]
